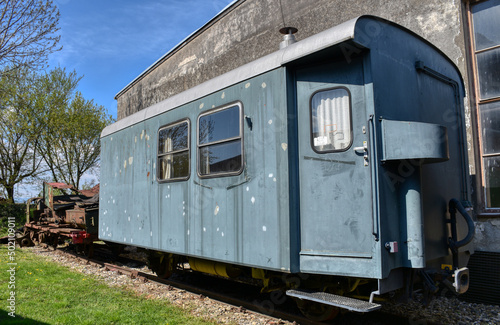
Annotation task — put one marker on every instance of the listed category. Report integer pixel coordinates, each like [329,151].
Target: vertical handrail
[453,242]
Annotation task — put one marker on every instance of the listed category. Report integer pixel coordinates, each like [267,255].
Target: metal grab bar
[453,243]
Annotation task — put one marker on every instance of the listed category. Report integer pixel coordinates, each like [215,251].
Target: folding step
[335,300]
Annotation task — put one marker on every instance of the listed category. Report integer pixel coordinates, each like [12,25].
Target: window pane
[221,158]
[220,125]
[486,24]
[492,181]
[490,124]
[488,66]
[173,138]
[331,120]
[174,166]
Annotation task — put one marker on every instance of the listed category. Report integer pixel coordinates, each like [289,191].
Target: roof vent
[288,37]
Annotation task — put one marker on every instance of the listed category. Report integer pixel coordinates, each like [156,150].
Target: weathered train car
[336,157]
[63,212]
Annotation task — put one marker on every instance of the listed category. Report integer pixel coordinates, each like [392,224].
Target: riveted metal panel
[237,218]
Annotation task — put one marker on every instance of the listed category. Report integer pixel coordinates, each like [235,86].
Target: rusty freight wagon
[331,168]
[63,213]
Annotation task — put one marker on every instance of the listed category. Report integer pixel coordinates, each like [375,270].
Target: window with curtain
[331,120]
[486,44]
[173,152]
[220,145]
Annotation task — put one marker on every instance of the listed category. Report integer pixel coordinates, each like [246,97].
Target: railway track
[242,297]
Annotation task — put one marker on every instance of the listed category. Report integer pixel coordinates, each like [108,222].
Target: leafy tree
[27,32]
[19,131]
[46,126]
[70,144]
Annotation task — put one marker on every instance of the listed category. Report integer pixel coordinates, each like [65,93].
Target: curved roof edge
[322,40]
[327,38]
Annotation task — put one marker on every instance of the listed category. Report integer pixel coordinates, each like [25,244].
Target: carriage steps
[335,300]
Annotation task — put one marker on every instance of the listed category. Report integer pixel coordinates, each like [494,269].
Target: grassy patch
[47,293]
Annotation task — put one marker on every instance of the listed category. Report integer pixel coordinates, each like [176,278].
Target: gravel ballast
[441,310]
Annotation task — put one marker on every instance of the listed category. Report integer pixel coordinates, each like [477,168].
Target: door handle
[364,151]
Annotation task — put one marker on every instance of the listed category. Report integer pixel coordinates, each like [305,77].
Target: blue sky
[110,42]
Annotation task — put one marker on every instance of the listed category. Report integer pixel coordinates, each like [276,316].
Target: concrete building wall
[249,30]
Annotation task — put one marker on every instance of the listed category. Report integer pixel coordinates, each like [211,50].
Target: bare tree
[27,32]
[19,133]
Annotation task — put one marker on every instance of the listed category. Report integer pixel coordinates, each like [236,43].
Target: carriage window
[220,146]
[173,152]
[331,120]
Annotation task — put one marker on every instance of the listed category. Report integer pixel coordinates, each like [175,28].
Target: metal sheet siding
[242,219]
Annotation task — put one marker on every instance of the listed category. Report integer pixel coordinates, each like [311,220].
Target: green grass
[47,293]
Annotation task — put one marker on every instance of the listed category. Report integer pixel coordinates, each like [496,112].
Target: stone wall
[249,30]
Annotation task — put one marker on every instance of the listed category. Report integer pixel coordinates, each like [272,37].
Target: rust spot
[148,174]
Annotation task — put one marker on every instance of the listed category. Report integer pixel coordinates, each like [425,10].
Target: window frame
[476,103]
[199,146]
[160,155]
[311,137]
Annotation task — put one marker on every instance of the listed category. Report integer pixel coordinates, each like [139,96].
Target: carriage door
[334,167]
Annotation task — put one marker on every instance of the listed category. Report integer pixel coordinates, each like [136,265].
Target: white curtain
[331,120]
[166,160]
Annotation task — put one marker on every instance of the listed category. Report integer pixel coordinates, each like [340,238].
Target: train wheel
[53,241]
[161,264]
[34,238]
[26,242]
[316,311]
[88,250]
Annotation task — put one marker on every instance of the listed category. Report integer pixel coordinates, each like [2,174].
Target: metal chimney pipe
[288,37]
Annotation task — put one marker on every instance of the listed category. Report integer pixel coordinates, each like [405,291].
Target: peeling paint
[216,211]
[124,164]
[264,85]
[270,122]
[284,146]
[223,95]
[202,105]
[247,85]
[142,134]
[264,228]
[130,160]
[187,60]
[253,200]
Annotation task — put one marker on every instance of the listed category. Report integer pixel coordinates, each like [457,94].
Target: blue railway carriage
[332,168]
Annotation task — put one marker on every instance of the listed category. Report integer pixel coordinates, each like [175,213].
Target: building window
[173,151]
[220,145]
[486,46]
[331,120]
